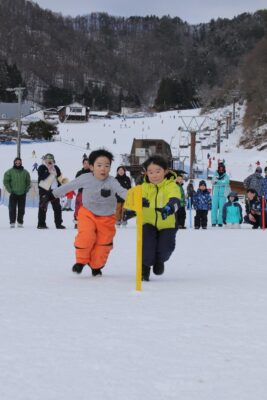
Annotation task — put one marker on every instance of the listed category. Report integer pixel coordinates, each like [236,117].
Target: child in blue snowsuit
[202,204]
[221,189]
[232,212]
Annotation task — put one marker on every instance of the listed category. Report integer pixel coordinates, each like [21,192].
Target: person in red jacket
[78,202]
[69,197]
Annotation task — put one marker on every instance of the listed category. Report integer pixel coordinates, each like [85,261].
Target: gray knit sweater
[98,196]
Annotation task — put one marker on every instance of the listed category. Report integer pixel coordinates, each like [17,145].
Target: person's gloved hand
[128,214]
[46,197]
[166,211]
[145,202]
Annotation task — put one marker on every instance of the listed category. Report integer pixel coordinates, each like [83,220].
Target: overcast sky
[193,11]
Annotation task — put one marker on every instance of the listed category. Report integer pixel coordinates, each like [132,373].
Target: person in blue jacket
[202,204]
[220,191]
[232,212]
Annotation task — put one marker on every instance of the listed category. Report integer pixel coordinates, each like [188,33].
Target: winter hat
[50,157]
[265,169]
[259,170]
[233,194]
[17,159]
[202,183]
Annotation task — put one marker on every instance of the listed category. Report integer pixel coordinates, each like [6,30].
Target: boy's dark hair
[100,153]
[158,160]
[252,191]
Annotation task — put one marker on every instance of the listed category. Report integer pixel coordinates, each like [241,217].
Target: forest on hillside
[109,62]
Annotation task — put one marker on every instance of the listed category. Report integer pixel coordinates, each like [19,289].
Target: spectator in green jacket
[17,182]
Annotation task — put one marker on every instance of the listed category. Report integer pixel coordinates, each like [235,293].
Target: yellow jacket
[158,196]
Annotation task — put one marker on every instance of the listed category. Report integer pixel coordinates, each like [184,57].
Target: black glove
[46,197]
[128,214]
[166,211]
[105,192]
[145,202]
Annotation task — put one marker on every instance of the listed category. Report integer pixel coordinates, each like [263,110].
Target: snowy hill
[196,333]
[117,135]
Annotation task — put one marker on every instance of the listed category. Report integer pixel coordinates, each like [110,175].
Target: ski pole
[263,211]
[190,212]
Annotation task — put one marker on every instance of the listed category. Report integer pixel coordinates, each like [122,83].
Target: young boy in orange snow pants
[96,218]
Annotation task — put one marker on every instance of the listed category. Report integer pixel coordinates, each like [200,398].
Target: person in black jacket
[48,179]
[253,209]
[125,182]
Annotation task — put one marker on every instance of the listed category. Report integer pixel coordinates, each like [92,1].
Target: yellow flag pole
[139,237]
[133,201]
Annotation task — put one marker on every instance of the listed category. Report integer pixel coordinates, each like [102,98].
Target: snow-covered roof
[10,110]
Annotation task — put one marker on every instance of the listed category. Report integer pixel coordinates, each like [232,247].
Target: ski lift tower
[234,94]
[192,126]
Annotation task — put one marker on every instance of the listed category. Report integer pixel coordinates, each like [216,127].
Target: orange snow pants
[94,240]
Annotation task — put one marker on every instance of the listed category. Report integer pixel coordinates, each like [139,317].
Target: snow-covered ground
[196,333]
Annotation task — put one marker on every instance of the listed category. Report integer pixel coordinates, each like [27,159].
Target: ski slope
[196,333]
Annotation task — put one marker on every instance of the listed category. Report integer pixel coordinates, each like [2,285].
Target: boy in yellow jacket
[160,203]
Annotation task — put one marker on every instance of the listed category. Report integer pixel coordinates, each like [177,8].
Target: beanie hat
[202,183]
[233,194]
[259,169]
[49,156]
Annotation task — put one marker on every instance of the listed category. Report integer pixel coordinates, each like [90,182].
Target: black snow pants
[158,245]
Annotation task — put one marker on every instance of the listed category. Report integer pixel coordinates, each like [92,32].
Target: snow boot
[77,268]
[145,273]
[158,268]
[96,272]
[40,226]
[60,226]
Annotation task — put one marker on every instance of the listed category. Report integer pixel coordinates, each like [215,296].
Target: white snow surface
[196,333]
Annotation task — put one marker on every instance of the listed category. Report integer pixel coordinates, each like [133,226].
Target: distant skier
[35,167]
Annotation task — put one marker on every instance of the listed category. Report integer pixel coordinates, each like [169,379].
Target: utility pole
[218,136]
[18,92]
[192,153]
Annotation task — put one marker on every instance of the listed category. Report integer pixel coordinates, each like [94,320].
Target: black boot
[78,268]
[42,226]
[158,268]
[96,272]
[60,226]
[145,273]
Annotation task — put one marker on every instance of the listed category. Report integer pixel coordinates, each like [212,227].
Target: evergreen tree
[41,130]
